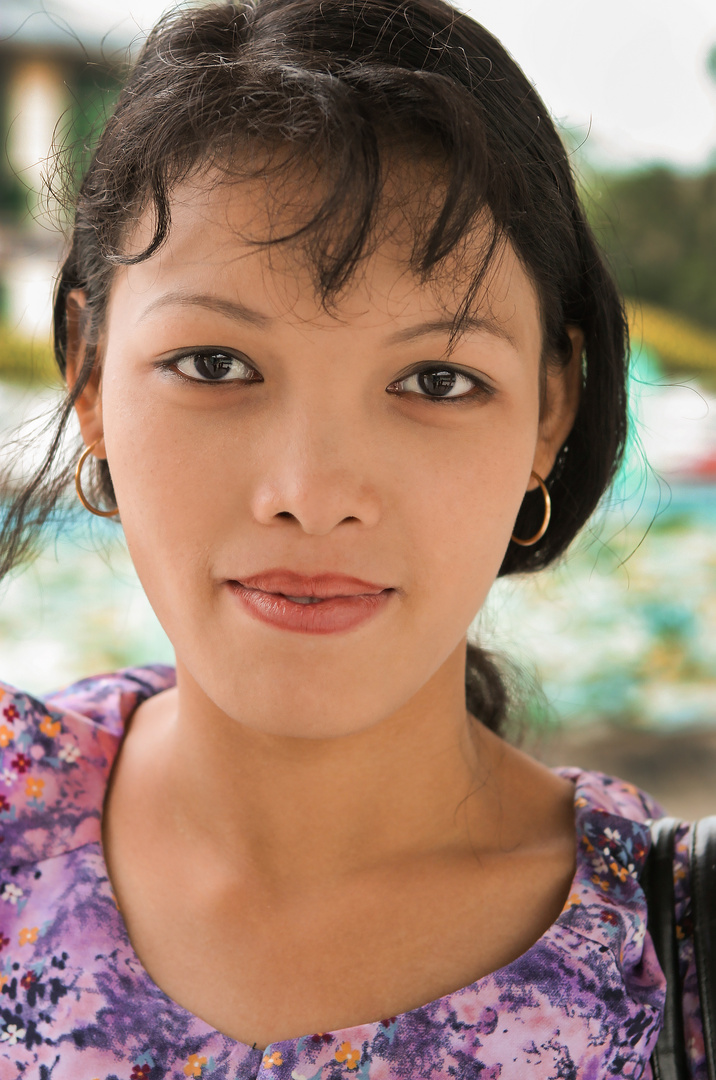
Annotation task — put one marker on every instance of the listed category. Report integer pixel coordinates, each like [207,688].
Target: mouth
[319,604]
[305,588]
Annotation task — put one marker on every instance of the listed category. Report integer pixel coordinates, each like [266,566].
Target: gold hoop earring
[78,484]
[547,515]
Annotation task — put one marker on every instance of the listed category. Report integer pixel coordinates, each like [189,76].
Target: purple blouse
[584,1002]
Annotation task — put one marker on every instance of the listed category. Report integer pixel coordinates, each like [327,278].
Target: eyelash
[480,390]
[170,367]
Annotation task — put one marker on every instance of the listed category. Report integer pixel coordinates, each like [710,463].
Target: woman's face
[248,431]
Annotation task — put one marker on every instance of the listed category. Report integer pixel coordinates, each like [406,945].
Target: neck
[246,798]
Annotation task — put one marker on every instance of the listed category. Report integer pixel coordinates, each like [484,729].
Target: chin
[307,707]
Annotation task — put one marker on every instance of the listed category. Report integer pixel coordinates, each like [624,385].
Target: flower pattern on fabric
[585,1001]
[346,1053]
[194,1065]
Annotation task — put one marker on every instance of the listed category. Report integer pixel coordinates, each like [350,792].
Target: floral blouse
[584,1002]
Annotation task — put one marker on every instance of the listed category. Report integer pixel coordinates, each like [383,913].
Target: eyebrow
[475,323]
[235,309]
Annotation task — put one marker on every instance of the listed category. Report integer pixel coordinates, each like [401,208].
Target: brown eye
[436,384]
[215,367]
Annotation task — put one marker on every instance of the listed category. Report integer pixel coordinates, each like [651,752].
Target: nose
[319,472]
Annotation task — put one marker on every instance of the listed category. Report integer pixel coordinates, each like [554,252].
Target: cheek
[464,512]
[170,479]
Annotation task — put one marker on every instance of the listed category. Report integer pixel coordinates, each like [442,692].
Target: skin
[293,793]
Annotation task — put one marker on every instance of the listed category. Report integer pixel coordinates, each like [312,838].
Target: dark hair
[344,85]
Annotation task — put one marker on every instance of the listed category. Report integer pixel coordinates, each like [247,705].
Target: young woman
[342,351]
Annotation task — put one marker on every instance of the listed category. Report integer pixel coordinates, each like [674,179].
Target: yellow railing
[680,344]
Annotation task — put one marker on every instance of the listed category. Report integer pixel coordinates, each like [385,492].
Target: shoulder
[56,754]
[610,795]
[613,839]
[612,822]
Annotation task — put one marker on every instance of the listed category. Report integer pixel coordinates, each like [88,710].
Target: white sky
[633,70]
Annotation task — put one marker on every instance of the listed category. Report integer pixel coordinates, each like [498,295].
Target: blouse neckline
[605,906]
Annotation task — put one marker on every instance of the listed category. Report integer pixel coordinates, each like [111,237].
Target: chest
[264,967]
[78,1001]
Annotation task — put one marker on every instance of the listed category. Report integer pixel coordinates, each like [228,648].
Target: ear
[89,404]
[562,390]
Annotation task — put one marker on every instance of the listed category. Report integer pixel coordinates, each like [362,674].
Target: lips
[322,586]
[316,604]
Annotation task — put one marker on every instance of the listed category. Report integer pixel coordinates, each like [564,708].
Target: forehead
[226,237]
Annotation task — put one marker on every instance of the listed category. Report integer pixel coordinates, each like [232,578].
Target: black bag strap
[669,1060]
[703,900]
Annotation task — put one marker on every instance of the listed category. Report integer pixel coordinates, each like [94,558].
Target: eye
[441,383]
[213,366]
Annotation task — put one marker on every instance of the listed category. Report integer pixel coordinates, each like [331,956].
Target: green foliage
[659,230]
[90,92]
[25,361]
[94,96]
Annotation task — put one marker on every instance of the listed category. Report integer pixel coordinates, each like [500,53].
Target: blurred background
[621,636]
